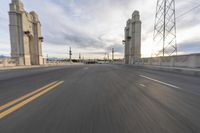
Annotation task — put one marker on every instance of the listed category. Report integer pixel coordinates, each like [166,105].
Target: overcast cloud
[93,27]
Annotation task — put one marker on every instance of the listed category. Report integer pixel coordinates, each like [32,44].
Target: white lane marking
[160,82]
[142,85]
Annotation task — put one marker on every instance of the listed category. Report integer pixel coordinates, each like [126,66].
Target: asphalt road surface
[98,99]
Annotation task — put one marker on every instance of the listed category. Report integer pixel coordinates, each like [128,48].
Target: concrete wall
[14,62]
[7,62]
[190,61]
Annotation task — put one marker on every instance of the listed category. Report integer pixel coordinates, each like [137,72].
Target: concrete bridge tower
[133,38]
[25,35]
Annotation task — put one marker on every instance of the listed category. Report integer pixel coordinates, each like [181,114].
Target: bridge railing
[190,61]
[8,62]
[56,62]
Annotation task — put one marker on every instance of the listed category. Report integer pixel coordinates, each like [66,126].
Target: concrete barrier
[178,70]
[7,62]
[188,61]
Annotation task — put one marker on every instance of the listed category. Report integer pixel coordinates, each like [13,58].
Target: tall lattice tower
[165,29]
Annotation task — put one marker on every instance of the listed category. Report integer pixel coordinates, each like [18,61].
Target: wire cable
[188,11]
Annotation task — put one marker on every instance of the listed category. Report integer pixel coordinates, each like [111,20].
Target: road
[98,99]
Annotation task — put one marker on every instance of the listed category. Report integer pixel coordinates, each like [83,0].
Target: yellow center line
[25,96]
[23,103]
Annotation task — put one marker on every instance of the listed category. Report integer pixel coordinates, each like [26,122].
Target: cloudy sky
[93,27]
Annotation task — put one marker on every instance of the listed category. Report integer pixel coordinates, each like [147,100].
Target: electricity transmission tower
[165,29]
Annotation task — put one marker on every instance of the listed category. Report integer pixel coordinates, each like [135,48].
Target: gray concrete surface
[102,99]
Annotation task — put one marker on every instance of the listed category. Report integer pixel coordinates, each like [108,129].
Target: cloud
[189,47]
[92,26]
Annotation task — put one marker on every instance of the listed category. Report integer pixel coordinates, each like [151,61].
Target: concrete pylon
[133,38]
[25,35]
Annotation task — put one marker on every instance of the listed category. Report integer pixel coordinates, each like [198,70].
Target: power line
[188,11]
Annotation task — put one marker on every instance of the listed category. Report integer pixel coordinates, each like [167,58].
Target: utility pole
[79,57]
[113,52]
[70,54]
[83,58]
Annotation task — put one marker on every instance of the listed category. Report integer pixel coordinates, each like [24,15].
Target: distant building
[133,39]
[25,35]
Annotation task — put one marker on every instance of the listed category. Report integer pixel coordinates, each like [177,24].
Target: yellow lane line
[25,96]
[23,103]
